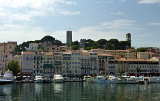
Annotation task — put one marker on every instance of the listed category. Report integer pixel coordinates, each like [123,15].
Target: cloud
[111,29]
[154,24]
[69,12]
[25,10]
[148,1]
[20,33]
[34,4]
[96,33]
[119,24]
[107,30]
[119,13]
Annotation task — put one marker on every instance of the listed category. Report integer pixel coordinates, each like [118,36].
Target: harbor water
[79,92]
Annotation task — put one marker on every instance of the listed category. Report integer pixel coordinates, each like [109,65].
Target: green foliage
[75,45]
[142,49]
[112,44]
[14,67]
[90,44]
[48,39]
[102,43]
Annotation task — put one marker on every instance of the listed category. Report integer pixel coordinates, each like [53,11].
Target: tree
[75,45]
[14,67]
[48,38]
[142,49]
[113,44]
[102,43]
[90,44]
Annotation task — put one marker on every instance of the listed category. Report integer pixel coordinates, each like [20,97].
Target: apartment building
[44,64]
[6,53]
[89,63]
[138,67]
[107,64]
[27,62]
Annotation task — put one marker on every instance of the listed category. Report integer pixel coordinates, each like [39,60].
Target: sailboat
[8,77]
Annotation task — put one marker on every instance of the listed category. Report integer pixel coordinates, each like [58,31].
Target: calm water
[79,92]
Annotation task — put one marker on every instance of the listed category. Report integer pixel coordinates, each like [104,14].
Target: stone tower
[128,37]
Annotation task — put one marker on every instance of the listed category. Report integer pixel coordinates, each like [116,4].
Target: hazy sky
[22,20]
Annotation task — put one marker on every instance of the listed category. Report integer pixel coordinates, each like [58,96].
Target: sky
[25,20]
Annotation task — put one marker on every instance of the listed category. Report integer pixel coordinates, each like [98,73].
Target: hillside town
[52,59]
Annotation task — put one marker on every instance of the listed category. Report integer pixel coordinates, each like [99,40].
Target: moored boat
[100,79]
[58,78]
[113,79]
[127,80]
[88,78]
[154,79]
[38,79]
[8,77]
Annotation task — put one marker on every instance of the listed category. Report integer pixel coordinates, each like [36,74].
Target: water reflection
[58,88]
[79,92]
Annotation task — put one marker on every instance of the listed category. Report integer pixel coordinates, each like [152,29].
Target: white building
[33,47]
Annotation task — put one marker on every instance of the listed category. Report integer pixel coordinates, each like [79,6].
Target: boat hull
[6,81]
[58,80]
[38,81]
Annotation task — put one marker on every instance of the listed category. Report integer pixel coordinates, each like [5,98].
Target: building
[48,64]
[89,63]
[67,58]
[78,63]
[107,64]
[58,62]
[69,38]
[129,40]
[27,62]
[33,47]
[71,63]
[44,64]
[144,55]
[138,67]
[6,54]
[131,55]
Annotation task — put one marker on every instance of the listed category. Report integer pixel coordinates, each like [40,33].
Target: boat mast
[4,59]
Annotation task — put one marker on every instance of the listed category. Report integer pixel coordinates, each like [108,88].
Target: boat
[58,78]
[112,79]
[127,80]
[73,79]
[140,80]
[88,78]
[154,80]
[8,77]
[47,79]
[100,79]
[38,79]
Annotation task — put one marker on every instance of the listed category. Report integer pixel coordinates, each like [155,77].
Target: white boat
[38,79]
[88,78]
[154,80]
[112,79]
[58,78]
[100,79]
[127,80]
[140,79]
[8,77]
